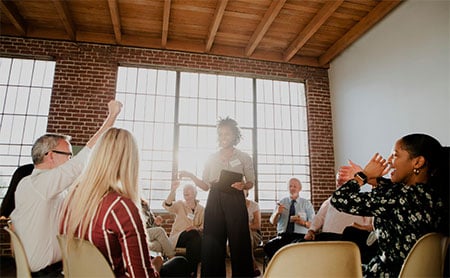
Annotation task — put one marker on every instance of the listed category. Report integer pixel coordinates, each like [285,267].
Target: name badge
[190,216]
[235,163]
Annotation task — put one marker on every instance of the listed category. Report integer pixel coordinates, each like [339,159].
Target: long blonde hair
[113,166]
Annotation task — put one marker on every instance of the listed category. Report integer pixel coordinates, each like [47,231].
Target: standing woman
[226,214]
[412,203]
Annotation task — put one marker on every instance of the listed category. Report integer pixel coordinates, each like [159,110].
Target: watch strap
[361,176]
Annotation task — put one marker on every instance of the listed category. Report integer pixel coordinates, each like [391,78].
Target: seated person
[8,204]
[39,197]
[188,224]
[104,208]
[158,241]
[330,224]
[254,221]
[293,216]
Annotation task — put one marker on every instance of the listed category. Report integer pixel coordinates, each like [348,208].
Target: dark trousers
[176,267]
[360,238]
[273,245]
[192,240]
[54,270]
[226,217]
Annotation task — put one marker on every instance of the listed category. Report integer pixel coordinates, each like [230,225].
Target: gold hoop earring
[416,171]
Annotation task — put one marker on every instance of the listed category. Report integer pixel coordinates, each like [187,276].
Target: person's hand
[175,185]
[158,220]
[114,107]
[280,208]
[185,174]
[238,185]
[310,235]
[345,173]
[157,263]
[377,167]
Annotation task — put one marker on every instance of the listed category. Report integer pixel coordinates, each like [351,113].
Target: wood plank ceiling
[300,32]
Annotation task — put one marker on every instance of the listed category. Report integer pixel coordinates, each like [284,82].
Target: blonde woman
[103,206]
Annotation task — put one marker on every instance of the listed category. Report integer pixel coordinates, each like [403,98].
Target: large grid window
[25,91]
[173,116]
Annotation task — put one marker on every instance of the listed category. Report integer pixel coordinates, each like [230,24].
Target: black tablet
[227,178]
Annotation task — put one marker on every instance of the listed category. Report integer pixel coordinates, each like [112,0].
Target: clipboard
[227,178]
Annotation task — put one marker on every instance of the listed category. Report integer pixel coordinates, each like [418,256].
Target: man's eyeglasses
[64,153]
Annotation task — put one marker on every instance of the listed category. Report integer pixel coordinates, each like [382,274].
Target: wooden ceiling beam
[319,19]
[380,11]
[115,18]
[165,25]
[218,14]
[64,15]
[11,12]
[263,26]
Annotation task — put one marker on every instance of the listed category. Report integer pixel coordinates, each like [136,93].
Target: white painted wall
[393,81]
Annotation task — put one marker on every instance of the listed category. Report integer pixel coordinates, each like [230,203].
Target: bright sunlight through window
[173,117]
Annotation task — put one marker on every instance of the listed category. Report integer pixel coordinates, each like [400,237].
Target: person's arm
[319,218]
[276,214]
[198,182]
[114,108]
[256,223]
[169,201]
[128,227]
[309,216]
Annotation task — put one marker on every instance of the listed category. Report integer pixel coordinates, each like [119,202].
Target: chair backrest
[427,257]
[22,266]
[82,259]
[316,259]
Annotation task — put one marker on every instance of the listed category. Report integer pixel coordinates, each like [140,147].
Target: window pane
[203,99]
[25,92]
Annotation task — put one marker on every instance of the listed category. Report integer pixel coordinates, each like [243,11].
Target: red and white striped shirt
[118,232]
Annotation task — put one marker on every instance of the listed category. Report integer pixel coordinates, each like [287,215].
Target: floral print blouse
[402,214]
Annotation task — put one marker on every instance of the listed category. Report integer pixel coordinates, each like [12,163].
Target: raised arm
[114,108]
[198,182]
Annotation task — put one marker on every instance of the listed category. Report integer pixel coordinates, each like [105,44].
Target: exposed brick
[85,76]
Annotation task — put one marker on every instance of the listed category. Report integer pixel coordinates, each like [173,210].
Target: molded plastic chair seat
[22,266]
[82,259]
[316,259]
[427,257]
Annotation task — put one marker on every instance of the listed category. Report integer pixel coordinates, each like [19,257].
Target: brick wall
[85,78]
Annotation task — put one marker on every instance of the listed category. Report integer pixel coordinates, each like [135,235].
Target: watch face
[362,176]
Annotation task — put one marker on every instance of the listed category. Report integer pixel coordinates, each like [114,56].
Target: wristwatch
[360,175]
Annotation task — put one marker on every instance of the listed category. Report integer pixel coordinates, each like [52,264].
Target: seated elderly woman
[188,225]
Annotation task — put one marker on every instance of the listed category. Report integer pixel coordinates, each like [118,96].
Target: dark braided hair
[233,125]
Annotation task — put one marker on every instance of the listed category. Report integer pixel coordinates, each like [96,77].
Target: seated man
[331,224]
[8,203]
[293,216]
[39,196]
[158,241]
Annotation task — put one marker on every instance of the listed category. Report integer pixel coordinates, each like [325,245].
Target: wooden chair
[427,257]
[22,266]
[316,259]
[82,259]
